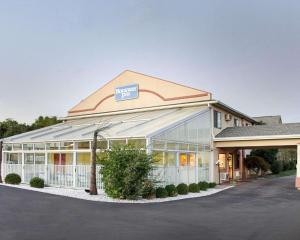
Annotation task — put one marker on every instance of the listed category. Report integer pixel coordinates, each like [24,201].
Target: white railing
[79,176]
[55,175]
[182,174]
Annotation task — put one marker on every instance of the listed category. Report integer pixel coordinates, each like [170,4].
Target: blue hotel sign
[127,92]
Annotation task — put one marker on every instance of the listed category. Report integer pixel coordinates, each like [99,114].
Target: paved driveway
[264,209]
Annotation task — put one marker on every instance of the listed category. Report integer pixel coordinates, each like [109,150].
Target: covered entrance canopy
[262,136]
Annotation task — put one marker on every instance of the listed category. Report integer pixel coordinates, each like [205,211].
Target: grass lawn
[284,173]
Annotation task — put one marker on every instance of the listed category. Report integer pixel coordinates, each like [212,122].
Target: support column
[46,168]
[74,168]
[23,167]
[298,168]
[242,165]
[1,158]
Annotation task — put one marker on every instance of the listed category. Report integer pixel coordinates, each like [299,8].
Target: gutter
[253,138]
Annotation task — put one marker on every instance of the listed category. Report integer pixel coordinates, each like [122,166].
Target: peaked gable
[131,90]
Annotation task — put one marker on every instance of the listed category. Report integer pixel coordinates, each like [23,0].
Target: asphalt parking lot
[266,209]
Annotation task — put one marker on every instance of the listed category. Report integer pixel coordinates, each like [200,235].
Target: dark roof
[269,120]
[261,130]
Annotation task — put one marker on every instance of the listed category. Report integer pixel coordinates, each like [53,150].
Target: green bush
[37,182]
[148,190]
[161,192]
[172,190]
[124,169]
[257,164]
[286,165]
[12,178]
[276,167]
[203,185]
[212,185]
[194,188]
[182,189]
[292,165]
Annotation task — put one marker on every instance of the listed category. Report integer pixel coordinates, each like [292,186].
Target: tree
[257,164]
[10,127]
[270,155]
[41,122]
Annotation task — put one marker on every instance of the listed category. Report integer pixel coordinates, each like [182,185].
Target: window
[28,146]
[138,143]
[158,158]
[217,119]
[66,145]
[39,158]
[17,147]
[83,145]
[237,122]
[39,146]
[170,159]
[52,146]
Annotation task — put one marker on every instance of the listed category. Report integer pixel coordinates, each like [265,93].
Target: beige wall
[225,123]
[257,143]
[152,92]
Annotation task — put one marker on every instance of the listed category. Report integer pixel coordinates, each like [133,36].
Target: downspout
[1,151]
[212,147]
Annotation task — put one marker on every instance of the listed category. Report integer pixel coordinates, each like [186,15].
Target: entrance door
[230,165]
[187,163]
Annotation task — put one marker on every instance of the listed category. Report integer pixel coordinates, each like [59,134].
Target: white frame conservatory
[179,138]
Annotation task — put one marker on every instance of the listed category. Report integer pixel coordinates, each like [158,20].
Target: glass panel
[39,146]
[14,158]
[172,146]
[170,159]
[52,146]
[39,158]
[158,158]
[183,159]
[115,143]
[158,144]
[67,146]
[60,158]
[102,144]
[28,146]
[83,145]
[7,147]
[191,159]
[17,147]
[83,158]
[193,148]
[29,158]
[183,147]
[138,143]
[222,161]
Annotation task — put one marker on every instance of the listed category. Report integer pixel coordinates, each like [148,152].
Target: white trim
[253,138]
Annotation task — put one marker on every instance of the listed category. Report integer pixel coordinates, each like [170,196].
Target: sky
[54,53]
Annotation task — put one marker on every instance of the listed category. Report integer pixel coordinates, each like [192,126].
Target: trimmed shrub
[124,170]
[212,185]
[172,190]
[148,190]
[182,189]
[194,188]
[292,165]
[276,167]
[37,182]
[161,192]
[203,185]
[12,178]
